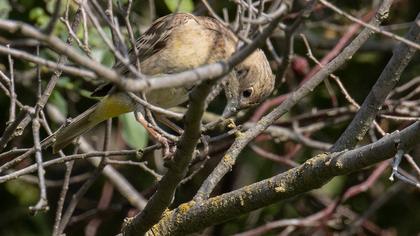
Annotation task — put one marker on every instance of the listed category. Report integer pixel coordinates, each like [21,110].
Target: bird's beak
[231,107]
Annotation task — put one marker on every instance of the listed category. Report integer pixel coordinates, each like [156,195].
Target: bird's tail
[75,128]
[108,107]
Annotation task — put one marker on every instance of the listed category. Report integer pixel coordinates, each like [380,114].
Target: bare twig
[384,85]
[42,204]
[12,108]
[50,64]
[409,42]
[194,216]
[231,155]
[85,187]
[63,193]
[178,167]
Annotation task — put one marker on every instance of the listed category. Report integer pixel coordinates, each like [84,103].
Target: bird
[174,43]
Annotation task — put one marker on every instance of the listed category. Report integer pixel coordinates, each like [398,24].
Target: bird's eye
[247,92]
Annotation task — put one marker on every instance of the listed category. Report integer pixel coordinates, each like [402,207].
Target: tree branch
[162,198]
[178,166]
[383,86]
[243,139]
[315,172]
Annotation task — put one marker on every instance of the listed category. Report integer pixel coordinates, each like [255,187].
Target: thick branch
[243,139]
[162,198]
[315,172]
[376,97]
[178,167]
[205,72]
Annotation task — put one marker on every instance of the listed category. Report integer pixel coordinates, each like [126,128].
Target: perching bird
[176,43]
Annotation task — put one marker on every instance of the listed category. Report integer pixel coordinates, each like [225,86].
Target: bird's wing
[215,25]
[149,43]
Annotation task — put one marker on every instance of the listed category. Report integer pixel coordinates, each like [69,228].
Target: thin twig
[12,108]
[42,204]
[232,154]
[409,42]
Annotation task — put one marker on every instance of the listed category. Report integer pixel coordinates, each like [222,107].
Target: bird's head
[250,83]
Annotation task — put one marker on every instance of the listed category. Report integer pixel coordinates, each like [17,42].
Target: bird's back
[190,41]
[176,43]
[182,42]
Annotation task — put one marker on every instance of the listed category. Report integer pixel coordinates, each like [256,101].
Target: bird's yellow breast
[111,106]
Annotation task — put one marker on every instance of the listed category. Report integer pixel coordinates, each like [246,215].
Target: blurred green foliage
[180,6]
[25,193]
[134,134]
[5,8]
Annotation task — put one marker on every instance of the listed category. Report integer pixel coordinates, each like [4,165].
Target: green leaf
[39,16]
[59,102]
[180,5]
[368,58]
[27,194]
[134,134]
[36,13]
[107,58]
[66,83]
[51,7]
[5,8]
[334,187]
[99,52]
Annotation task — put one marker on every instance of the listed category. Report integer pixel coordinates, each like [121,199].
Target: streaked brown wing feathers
[149,43]
[155,38]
